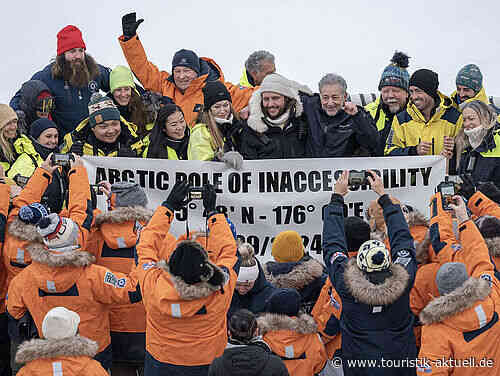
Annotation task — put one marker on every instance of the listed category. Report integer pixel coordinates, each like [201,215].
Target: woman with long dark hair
[169,138]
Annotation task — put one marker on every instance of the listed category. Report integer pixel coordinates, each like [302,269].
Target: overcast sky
[354,38]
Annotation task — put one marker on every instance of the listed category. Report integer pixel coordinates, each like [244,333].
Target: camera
[195,193]
[357,178]
[95,188]
[21,180]
[447,189]
[63,160]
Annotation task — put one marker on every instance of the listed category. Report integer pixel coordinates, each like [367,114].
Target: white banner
[270,196]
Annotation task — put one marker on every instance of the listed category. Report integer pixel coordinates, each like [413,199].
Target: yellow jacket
[200,144]
[244,80]
[28,159]
[480,96]
[409,128]
[88,148]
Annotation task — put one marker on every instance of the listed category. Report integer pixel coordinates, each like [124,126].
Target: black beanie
[39,126]
[426,80]
[186,58]
[357,232]
[213,92]
[284,301]
[189,261]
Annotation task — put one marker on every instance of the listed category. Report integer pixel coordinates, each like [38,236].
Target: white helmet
[373,256]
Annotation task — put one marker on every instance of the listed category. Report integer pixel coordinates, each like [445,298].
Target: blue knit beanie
[39,126]
[32,213]
[470,76]
[186,58]
[285,301]
[101,109]
[396,74]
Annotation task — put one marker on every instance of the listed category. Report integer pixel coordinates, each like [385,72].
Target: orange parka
[20,235]
[112,241]
[185,324]
[295,340]
[460,332]
[326,313]
[4,209]
[70,356]
[191,101]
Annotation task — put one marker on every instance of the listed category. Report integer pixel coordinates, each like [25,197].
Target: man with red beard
[72,78]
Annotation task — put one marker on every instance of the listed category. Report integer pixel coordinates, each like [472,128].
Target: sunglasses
[45,105]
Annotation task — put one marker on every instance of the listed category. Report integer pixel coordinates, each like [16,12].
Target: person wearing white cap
[61,351]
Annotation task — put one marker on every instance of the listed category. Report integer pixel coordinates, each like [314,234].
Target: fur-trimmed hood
[303,324]
[379,232]
[24,231]
[51,348]
[493,246]
[459,300]
[124,214]
[76,258]
[417,218]
[368,293]
[300,275]
[190,292]
[255,120]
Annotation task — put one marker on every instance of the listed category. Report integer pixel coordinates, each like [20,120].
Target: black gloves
[490,190]
[209,198]
[130,25]
[77,147]
[178,197]
[468,187]
[126,151]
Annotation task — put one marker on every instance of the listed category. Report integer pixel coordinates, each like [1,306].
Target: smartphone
[447,190]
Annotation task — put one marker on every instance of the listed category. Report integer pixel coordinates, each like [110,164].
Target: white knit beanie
[59,233]
[60,323]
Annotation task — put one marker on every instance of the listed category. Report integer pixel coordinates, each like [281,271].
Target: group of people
[93,292]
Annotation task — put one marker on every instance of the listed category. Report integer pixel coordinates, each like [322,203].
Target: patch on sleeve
[148,265]
[404,261]
[487,278]
[377,309]
[403,253]
[333,302]
[110,279]
[456,247]
[424,369]
[337,255]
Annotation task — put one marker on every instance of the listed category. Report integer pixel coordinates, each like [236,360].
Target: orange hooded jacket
[112,241]
[295,340]
[326,313]
[20,235]
[4,210]
[70,356]
[191,101]
[461,324]
[185,324]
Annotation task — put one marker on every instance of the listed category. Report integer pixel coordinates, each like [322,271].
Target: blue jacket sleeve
[400,239]
[104,78]
[334,242]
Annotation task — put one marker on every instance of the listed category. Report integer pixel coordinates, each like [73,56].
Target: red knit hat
[68,38]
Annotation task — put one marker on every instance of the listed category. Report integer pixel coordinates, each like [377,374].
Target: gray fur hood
[124,214]
[24,231]
[255,121]
[303,324]
[51,348]
[455,302]
[190,292]
[300,276]
[76,257]
[493,246]
[368,293]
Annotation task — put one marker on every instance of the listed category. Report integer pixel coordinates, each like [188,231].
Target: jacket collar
[51,348]
[368,293]
[301,274]
[457,301]
[24,231]
[439,110]
[303,324]
[124,214]
[190,292]
[76,258]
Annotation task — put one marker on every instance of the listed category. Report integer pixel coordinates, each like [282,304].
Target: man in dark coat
[337,128]
[72,78]
[275,128]
[246,353]
[376,322]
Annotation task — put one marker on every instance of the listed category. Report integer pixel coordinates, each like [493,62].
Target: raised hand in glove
[209,199]
[233,159]
[130,25]
[468,187]
[177,198]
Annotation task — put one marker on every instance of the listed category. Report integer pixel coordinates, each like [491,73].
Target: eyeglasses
[45,105]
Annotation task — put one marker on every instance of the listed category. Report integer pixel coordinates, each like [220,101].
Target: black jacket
[483,163]
[341,135]
[254,359]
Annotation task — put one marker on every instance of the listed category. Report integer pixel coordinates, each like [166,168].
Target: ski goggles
[46,105]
